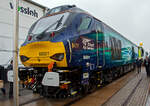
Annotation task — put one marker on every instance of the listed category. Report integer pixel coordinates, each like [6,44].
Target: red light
[29,38]
[52,34]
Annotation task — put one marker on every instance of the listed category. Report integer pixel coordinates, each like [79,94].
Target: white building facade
[29,12]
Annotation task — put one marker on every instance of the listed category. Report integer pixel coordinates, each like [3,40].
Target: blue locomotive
[73,52]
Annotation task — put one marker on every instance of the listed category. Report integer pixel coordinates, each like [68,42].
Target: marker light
[29,38]
[52,34]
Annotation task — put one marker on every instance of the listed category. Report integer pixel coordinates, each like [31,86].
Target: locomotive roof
[66,8]
[73,8]
[120,34]
[115,31]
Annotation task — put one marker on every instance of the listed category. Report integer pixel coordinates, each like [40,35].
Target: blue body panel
[93,49]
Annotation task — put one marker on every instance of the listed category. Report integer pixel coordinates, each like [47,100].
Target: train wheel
[110,76]
[122,71]
[102,79]
[84,89]
[93,83]
[62,95]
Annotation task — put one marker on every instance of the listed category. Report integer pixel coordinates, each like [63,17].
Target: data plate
[43,53]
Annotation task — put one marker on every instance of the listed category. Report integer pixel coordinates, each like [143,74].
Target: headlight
[24,58]
[58,56]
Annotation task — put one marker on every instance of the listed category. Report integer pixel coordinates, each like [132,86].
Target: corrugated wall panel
[28,14]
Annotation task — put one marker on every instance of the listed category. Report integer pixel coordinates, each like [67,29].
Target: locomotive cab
[45,40]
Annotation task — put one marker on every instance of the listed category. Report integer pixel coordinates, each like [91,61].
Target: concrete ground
[127,89]
[134,93]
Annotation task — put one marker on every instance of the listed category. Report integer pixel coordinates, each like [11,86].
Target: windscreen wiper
[39,36]
[59,22]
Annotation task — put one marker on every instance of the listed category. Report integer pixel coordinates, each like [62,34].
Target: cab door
[87,41]
[99,44]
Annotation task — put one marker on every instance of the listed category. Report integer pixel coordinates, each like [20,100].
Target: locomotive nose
[41,54]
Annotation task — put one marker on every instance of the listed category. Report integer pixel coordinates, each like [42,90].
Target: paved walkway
[134,93]
[129,90]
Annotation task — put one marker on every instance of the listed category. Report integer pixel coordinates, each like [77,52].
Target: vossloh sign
[25,10]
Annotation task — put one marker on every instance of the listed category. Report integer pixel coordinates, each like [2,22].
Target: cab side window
[85,23]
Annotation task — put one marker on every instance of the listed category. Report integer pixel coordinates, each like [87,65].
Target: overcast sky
[131,18]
